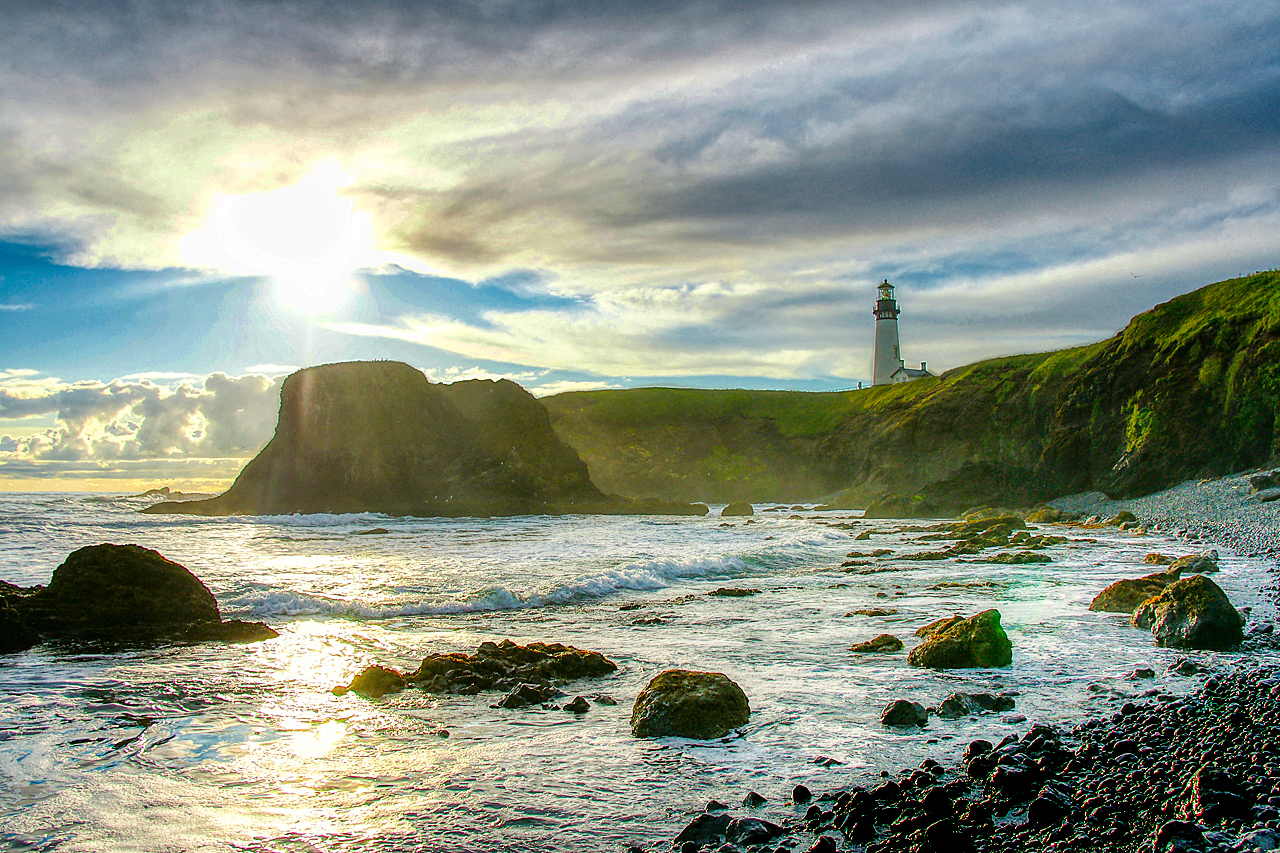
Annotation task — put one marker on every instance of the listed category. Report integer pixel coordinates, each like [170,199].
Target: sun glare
[308,238]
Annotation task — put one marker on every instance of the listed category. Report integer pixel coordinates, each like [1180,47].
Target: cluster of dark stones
[117,595]
[529,674]
[1199,774]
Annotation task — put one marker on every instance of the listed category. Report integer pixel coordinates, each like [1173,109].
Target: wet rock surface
[691,704]
[1199,774]
[882,644]
[529,674]
[1193,613]
[978,641]
[1125,595]
[117,595]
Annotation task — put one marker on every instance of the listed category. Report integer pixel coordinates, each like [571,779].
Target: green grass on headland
[1188,388]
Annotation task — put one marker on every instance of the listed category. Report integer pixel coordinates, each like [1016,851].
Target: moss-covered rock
[1048,515]
[1121,517]
[691,704]
[976,642]
[882,644]
[1193,613]
[1125,595]
[937,626]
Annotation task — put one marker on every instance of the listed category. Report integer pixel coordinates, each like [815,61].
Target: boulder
[1121,517]
[526,694]
[978,641]
[738,508]
[883,643]
[901,712]
[1212,795]
[733,592]
[1265,480]
[963,704]
[373,681]
[1154,559]
[1197,563]
[691,704]
[124,594]
[497,665]
[1193,613]
[1125,595]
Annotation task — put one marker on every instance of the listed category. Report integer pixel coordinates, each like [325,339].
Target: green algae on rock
[1126,594]
[881,644]
[691,704]
[1193,613]
[976,642]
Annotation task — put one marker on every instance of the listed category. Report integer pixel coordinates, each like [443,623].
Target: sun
[308,238]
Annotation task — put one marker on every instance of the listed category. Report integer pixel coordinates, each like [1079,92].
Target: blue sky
[197,197]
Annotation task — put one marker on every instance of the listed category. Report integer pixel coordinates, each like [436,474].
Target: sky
[198,197]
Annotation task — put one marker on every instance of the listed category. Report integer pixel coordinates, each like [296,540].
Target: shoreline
[1161,772]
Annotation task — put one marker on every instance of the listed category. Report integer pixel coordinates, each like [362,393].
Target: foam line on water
[642,575]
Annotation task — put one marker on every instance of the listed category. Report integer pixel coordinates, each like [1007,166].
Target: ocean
[245,748]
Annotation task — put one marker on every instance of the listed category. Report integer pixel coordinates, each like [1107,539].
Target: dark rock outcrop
[902,712]
[378,437]
[529,673]
[978,641]
[1193,613]
[118,595]
[963,704]
[738,508]
[1125,595]
[691,704]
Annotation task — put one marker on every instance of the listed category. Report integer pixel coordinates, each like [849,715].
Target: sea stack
[377,436]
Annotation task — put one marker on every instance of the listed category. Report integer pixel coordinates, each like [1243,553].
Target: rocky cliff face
[1188,389]
[378,437]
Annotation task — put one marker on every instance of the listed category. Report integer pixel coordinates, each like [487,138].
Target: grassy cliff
[1189,388]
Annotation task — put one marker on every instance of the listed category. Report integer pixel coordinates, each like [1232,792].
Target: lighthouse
[888,358]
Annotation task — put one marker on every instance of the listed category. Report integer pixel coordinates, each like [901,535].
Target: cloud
[25,306]
[218,417]
[707,187]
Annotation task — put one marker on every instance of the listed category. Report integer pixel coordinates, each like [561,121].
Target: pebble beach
[1186,759]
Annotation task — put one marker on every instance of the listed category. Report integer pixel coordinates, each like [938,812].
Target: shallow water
[224,748]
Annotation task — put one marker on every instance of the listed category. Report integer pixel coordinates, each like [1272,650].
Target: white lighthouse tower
[888,358]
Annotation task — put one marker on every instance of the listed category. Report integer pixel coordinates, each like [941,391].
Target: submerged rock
[978,641]
[882,643]
[733,592]
[688,703]
[1125,595]
[118,594]
[1193,613]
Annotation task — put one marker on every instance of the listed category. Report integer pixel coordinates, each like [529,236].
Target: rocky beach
[1184,759]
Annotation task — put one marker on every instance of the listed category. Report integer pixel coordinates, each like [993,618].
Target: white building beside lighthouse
[887,366]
